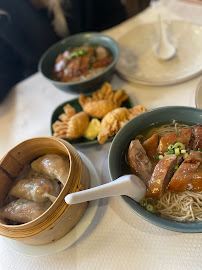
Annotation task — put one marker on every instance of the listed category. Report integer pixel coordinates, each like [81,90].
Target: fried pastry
[102,101]
[69,112]
[72,124]
[115,120]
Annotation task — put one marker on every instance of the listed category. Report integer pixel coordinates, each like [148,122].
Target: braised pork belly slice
[150,146]
[188,175]
[183,136]
[197,138]
[139,162]
[161,176]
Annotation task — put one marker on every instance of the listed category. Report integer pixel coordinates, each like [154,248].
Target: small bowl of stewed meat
[80,63]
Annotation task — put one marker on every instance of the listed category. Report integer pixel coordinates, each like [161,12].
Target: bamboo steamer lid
[59,218]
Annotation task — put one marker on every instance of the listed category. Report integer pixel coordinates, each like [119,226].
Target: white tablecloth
[117,238]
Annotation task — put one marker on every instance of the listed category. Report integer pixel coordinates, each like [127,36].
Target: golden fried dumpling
[69,111]
[115,120]
[102,101]
[72,128]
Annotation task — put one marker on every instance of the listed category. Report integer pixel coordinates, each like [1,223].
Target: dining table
[113,237]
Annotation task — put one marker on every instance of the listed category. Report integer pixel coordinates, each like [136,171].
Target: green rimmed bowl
[47,61]
[120,143]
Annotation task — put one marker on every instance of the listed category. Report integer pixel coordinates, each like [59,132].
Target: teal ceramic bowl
[47,62]
[120,143]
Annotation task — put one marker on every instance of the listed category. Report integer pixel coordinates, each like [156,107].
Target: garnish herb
[143,202]
[176,167]
[150,208]
[170,147]
[179,145]
[177,151]
[82,52]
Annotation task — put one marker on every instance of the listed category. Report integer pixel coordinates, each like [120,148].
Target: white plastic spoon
[130,185]
[163,49]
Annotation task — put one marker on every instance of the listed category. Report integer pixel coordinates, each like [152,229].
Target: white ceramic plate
[198,96]
[70,237]
[137,62]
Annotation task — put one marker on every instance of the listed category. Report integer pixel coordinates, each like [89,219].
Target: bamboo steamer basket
[59,218]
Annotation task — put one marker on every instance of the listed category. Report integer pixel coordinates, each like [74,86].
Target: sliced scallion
[177,151]
[179,145]
[170,147]
[74,55]
[82,52]
[143,202]
[150,208]
[185,155]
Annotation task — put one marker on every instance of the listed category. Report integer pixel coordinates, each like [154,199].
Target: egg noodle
[167,129]
[163,130]
[180,206]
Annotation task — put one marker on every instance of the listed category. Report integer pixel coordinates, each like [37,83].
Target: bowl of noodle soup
[177,210]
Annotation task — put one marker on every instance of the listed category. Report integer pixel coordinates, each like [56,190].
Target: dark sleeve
[91,15]
[29,31]
[10,64]
[25,33]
